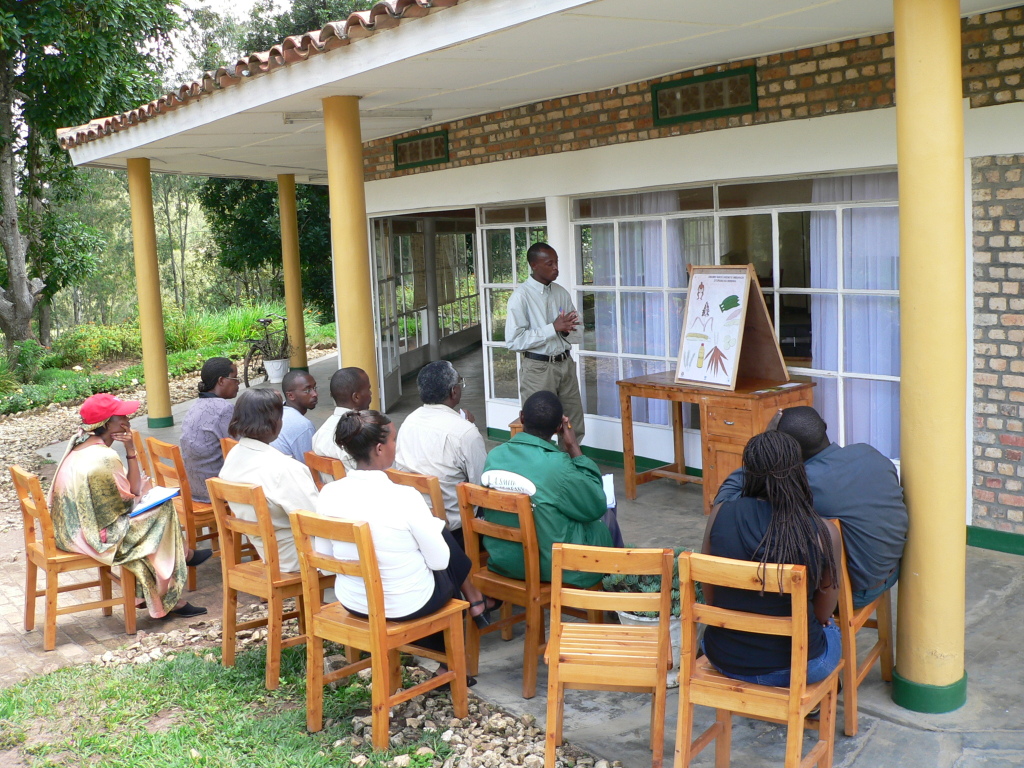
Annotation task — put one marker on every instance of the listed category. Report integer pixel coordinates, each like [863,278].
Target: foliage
[26,359]
[185,711]
[617,582]
[88,344]
[8,380]
[185,330]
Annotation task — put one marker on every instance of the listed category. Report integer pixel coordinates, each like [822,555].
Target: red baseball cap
[101,407]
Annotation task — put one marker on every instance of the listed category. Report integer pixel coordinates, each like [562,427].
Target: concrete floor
[986,731]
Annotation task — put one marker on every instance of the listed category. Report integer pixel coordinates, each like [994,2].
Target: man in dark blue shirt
[857,485]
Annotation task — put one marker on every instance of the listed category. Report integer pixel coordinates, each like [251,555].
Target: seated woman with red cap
[90,501]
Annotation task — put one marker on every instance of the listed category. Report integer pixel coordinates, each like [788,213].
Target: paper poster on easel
[727,333]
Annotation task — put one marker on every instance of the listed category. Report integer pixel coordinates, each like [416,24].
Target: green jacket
[567,507]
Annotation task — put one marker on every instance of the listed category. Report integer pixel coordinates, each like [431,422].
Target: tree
[62,64]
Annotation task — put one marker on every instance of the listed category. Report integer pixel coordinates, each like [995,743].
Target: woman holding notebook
[91,501]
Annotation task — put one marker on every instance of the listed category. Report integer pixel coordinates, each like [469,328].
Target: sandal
[482,619]
[187,611]
[199,556]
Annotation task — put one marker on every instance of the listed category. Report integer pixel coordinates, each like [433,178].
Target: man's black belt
[546,358]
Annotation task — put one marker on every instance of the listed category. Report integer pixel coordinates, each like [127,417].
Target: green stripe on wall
[600,455]
[1000,541]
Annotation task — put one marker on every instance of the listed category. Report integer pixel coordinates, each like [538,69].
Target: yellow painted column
[353,288]
[147,285]
[292,272]
[930,674]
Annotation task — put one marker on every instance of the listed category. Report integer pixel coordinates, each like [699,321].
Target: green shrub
[186,330]
[25,359]
[88,344]
[8,381]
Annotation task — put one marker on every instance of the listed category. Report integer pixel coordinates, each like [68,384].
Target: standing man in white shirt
[299,389]
[440,439]
[350,390]
[543,324]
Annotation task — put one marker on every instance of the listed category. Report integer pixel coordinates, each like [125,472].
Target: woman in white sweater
[421,565]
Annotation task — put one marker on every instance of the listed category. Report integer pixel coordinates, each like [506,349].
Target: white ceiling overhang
[477,57]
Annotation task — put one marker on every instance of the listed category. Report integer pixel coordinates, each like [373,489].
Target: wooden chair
[608,657]
[262,578]
[382,638]
[140,450]
[531,593]
[41,553]
[226,444]
[428,485]
[851,621]
[323,465]
[700,683]
[196,517]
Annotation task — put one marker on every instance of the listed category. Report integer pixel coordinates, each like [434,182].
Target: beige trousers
[560,378]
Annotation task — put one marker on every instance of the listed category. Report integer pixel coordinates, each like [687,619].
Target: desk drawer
[729,422]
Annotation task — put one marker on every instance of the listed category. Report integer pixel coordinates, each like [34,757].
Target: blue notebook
[154,498]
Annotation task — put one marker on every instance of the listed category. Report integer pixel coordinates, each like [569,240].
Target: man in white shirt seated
[300,395]
[440,439]
[350,390]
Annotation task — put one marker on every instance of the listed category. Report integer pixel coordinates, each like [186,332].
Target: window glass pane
[498,301]
[809,331]
[832,189]
[676,316]
[538,213]
[640,253]
[645,410]
[504,377]
[525,237]
[595,246]
[871,248]
[872,410]
[690,241]
[826,403]
[600,395]
[872,335]
[663,201]
[600,328]
[499,255]
[643,323]
[748,240]
[510,215]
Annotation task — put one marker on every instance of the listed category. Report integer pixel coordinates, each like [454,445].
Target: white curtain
[870,260]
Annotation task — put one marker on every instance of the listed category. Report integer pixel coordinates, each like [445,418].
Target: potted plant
[617,582]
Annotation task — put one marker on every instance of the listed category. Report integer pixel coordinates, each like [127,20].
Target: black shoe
[187,611]
[482,619]
[199,556]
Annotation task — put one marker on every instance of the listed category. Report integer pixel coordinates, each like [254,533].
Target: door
[386,316]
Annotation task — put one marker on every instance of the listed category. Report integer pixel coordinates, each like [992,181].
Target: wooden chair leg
[794,741]
[684,730]
[314,684]
[473,645]
[128,594]
[884,614]
[394,672]
[723,742]
[275,628]
[31,575]
[106,589]
[228,622]
[455,649]
[553,738]
[658,726]
[300,606]
[50,618]
[506,631]
[380,712]
[531,649]
[849,674]
[827,729]
[191,539]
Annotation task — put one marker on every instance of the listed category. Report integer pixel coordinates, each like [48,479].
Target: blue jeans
[866,596]
[817,669]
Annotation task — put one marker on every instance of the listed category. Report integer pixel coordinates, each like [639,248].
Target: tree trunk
[19,296]
[76,306]
[45,321]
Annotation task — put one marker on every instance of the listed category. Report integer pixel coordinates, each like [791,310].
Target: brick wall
[998,191]
[847,76]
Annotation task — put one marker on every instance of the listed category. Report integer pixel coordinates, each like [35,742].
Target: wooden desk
[727,421]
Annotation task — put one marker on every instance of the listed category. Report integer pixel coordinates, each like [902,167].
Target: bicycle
[273,346]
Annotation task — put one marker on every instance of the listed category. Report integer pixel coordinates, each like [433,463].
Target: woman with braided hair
[773,522]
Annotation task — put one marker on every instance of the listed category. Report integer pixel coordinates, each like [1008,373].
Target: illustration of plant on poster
[716,308]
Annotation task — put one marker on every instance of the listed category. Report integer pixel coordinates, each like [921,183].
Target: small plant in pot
[617,582]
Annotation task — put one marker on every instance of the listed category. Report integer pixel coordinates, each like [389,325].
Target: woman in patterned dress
[90,501]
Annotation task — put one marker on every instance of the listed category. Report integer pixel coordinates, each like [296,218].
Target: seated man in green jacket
[568,498]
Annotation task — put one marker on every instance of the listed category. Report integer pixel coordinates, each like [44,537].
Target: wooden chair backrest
[226,444]
[35,514]
[169,469]
[742,574]
[472,496]
[639,562]
[428,485]
[327,465]
[140,450]
[232,528]
[845,587]
[307,525]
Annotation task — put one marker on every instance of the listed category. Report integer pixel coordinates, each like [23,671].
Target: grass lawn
[189,711]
